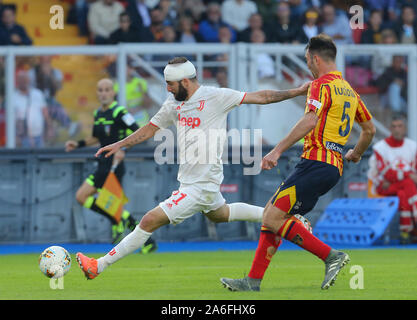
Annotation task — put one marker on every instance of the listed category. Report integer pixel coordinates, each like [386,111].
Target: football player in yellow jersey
[331,108]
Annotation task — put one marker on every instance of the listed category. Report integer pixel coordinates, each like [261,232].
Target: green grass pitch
[387,274]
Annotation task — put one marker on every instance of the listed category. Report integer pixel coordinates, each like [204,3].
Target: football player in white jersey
[196,110]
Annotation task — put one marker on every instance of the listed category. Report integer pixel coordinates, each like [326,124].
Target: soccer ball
[55,262]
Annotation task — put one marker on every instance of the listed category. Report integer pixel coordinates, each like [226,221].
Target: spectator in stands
[168,34]
[2,125]
[45,77]
[266,65]
[2,81]
[103,19]
[311,28]
[336,26]
[207,2]
[299,7]
[209,28]
[192,8]
[383,59]
[392,170]
[410,3]
[406,28]
[12,33]
[185,33]
[31,113]
[157,24]
[78,15]
[151,3]
[137,99]
[393,85]
[139,14]
[222,78]
[128,33]
[344,5]
[267,9]
[225,35]
[284,29]
[2,108]
[236,13]
[6,5]
[387,7]
[223,82]
[48,79]
[255,23]
[169,12]
[373,33]
[388,36]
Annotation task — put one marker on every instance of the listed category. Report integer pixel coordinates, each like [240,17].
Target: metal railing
[241,66]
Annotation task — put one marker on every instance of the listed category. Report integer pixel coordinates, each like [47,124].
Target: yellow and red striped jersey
[337,105]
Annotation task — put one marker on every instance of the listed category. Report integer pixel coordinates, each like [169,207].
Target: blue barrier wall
[37,198]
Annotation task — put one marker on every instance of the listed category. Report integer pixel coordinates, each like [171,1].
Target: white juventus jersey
[201,133]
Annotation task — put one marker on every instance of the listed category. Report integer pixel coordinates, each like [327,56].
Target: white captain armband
[316,104]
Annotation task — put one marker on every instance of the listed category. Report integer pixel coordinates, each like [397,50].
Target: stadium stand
[356,221]
[275,69]
[35,16]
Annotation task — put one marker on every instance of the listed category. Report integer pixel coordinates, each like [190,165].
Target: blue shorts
[300,191]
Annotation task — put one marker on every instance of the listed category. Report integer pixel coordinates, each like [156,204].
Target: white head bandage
[179,71]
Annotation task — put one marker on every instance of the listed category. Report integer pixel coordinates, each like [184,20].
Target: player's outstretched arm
[71,144]
[307,123]
[365,139]
[139,136]
[272,96]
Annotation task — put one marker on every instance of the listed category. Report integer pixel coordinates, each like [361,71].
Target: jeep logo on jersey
[192,122]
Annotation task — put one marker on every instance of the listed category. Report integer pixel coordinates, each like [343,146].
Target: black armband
[81,143]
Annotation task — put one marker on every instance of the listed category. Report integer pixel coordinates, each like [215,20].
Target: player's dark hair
[178,60]
[323,46]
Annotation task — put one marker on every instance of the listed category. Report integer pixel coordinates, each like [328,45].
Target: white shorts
[189,200]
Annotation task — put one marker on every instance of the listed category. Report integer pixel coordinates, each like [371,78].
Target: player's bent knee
[274,218]
[148,222]
[219,215]
[270,225]
[216,218]
[153,220]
